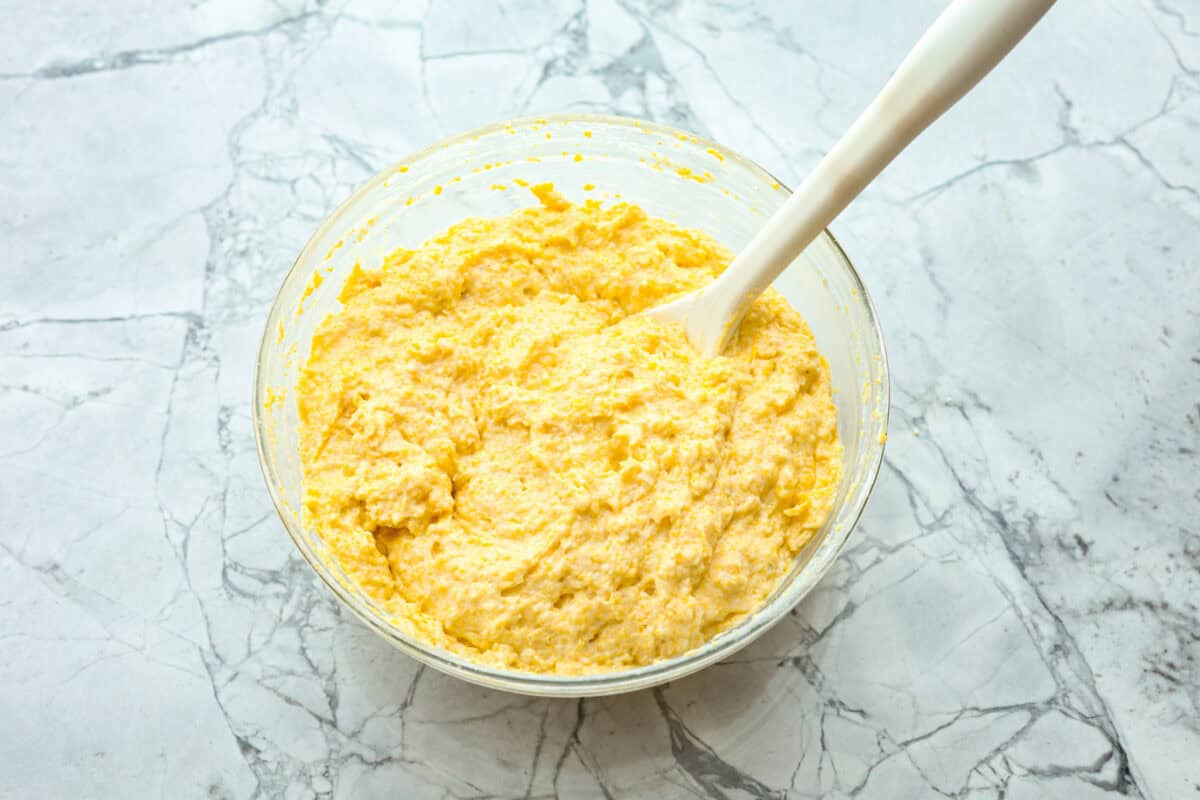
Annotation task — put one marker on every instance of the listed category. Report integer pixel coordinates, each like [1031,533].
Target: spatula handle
[964,44]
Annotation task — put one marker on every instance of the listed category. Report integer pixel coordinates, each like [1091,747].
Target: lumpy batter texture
[519,470]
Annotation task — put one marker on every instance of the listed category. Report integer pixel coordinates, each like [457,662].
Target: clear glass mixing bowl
[669,173]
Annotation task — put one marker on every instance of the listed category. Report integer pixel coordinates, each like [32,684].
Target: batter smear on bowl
[521,471]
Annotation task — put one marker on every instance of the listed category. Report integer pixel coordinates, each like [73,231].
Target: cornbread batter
[522,472]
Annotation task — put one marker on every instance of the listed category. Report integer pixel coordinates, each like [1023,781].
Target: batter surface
[523,473]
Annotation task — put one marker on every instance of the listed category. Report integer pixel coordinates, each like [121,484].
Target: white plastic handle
[966,41]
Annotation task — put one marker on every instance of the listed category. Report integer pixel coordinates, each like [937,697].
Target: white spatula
[966,41]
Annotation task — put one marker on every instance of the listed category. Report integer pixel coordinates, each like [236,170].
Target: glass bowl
[671,174]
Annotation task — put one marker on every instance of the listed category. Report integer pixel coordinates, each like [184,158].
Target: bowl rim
[593,684]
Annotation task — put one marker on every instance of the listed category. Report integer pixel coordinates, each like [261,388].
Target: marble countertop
[1016,615]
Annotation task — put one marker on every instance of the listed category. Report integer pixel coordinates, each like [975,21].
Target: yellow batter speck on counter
[521,471]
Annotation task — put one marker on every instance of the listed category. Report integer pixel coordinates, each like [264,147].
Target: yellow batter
[523,473]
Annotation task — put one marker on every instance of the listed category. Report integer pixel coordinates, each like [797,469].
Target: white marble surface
[1016,616]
